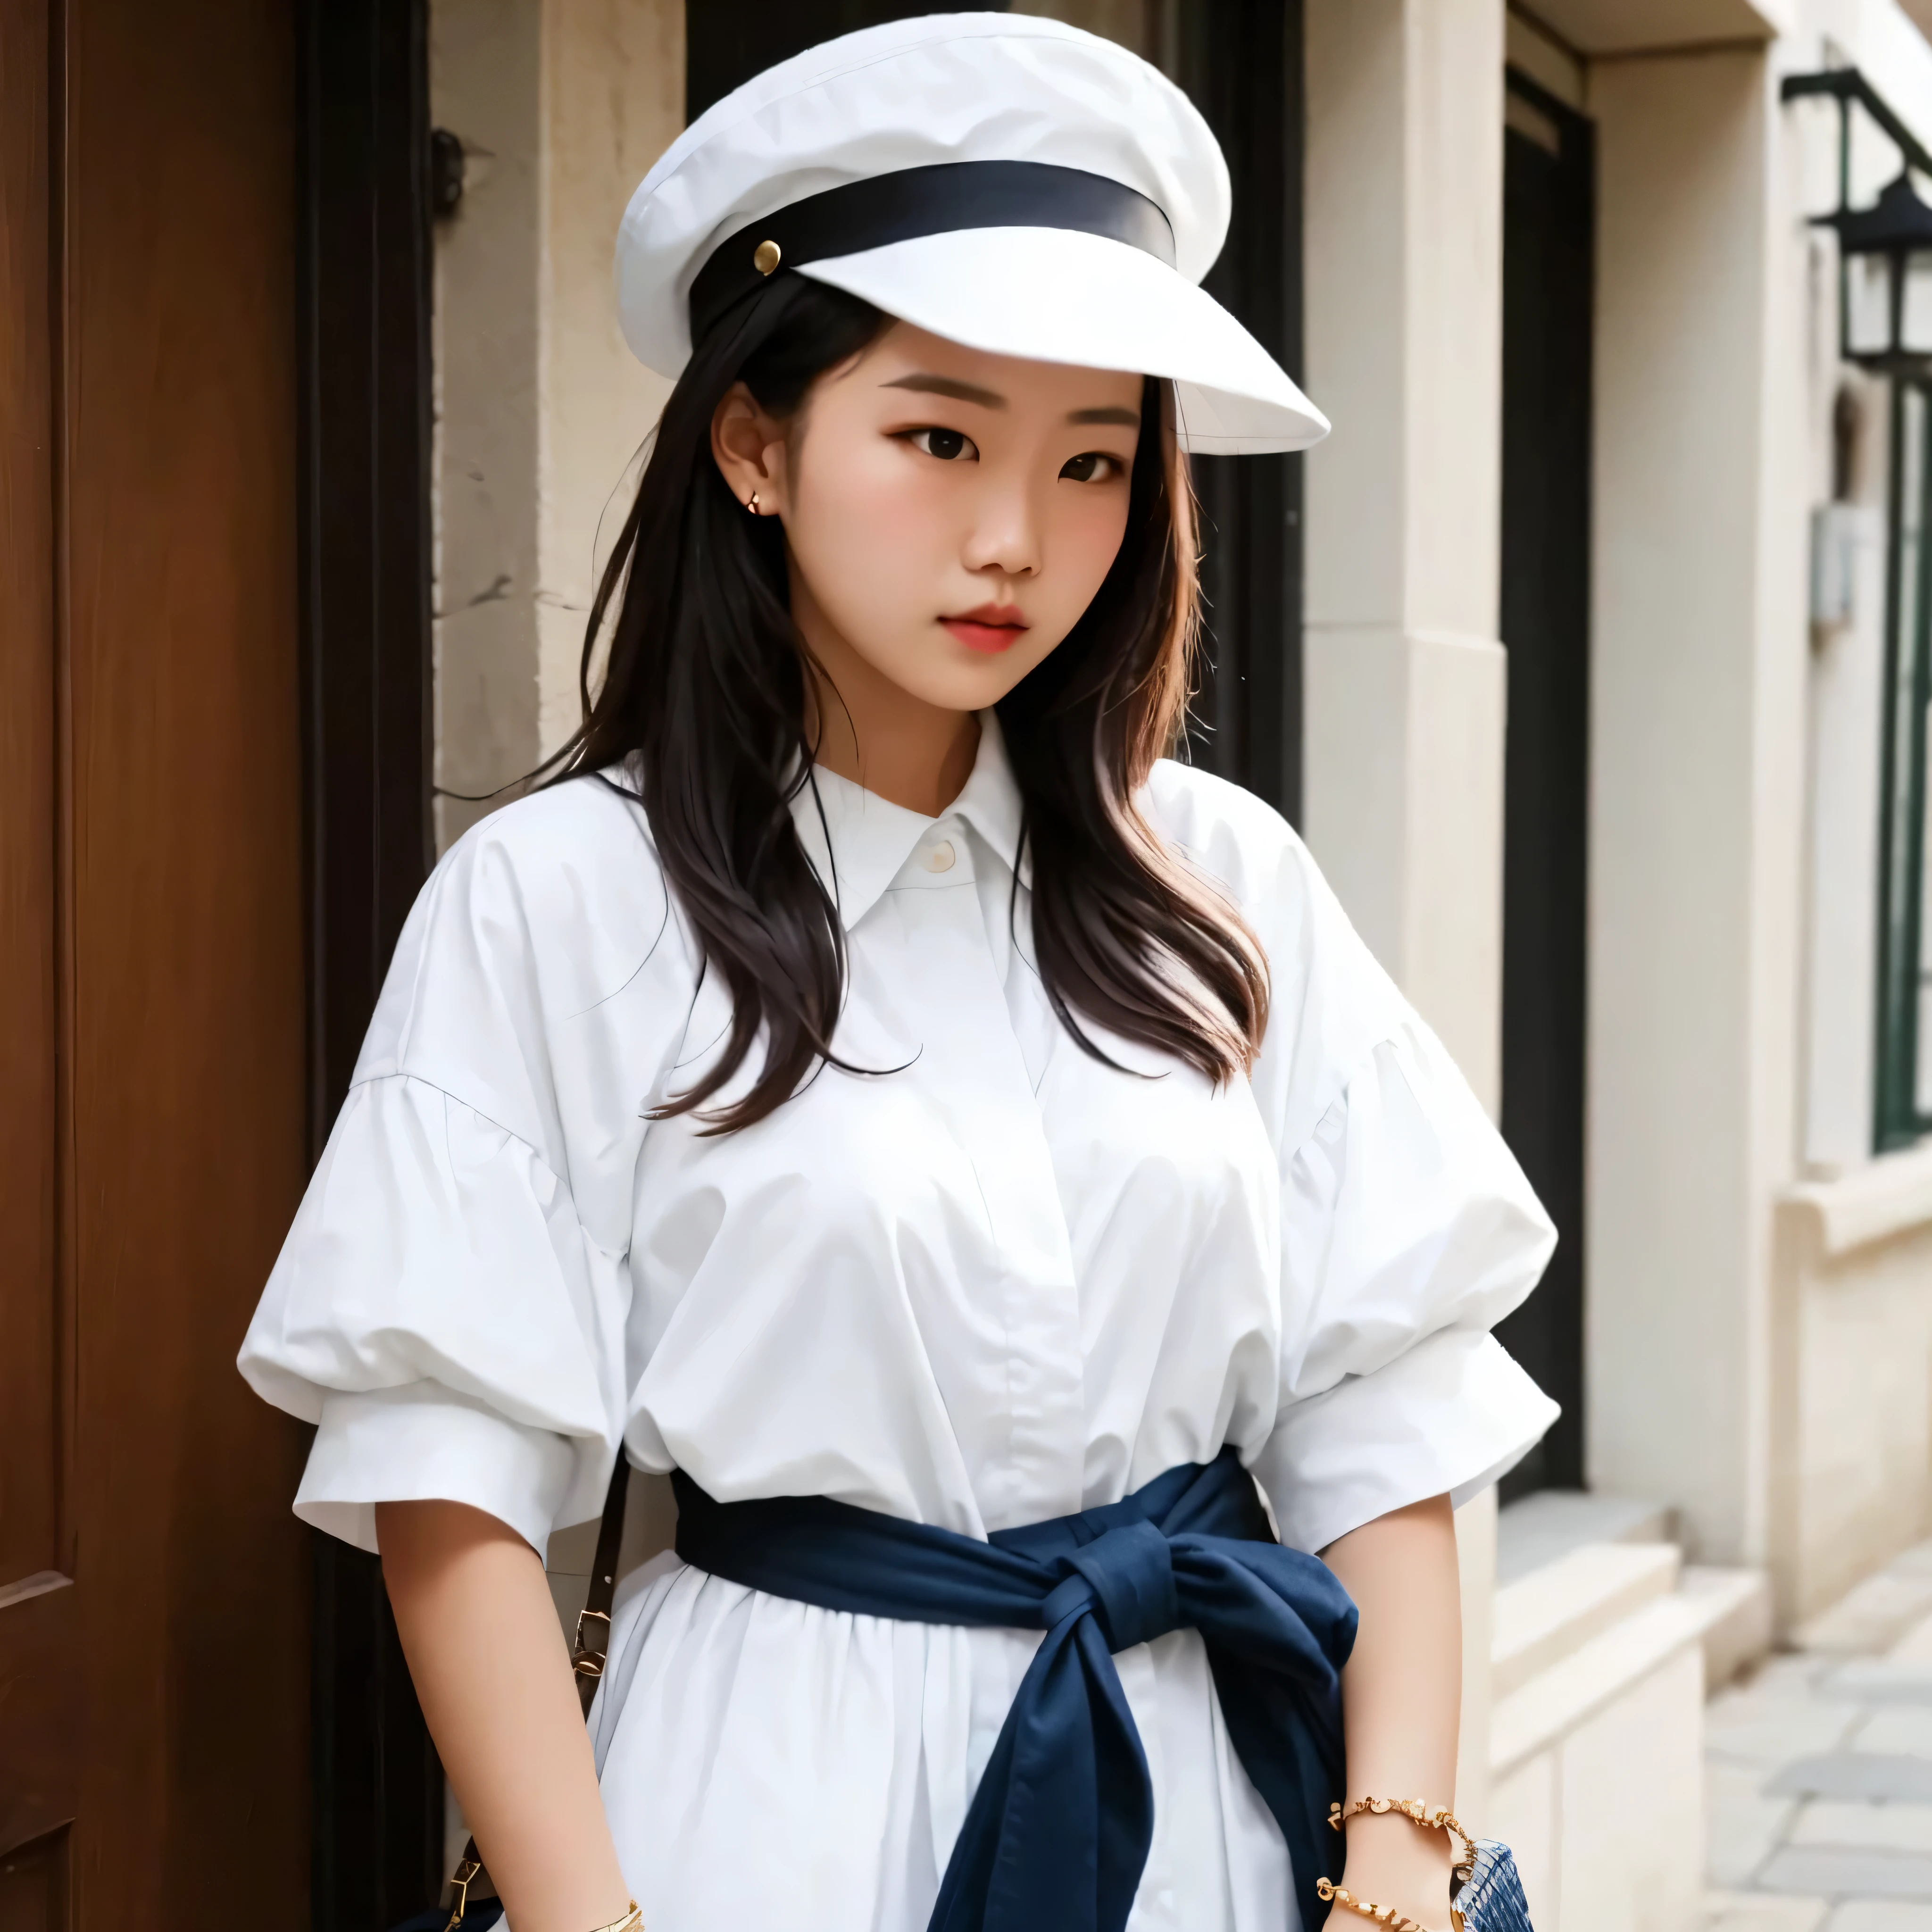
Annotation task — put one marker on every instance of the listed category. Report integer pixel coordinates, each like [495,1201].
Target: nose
[1005,539]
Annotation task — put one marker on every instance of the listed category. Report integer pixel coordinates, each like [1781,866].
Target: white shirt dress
[987,1280]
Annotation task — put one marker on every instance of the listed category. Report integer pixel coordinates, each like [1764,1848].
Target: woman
[879,1085]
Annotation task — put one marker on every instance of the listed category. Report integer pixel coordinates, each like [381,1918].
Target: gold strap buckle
[460,1880]
[585,1661]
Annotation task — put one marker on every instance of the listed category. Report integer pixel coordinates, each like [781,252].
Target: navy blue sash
[1057,1833]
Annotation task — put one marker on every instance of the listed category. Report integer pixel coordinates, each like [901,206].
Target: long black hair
[703,698]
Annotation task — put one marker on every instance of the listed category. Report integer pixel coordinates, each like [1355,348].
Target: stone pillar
[1404,676]
[484,66]
[562,106]
[1699,663]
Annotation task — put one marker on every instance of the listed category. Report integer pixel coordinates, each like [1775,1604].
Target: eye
[1095,467]
[949,446]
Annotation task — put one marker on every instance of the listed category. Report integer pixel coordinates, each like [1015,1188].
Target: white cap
[1006,181]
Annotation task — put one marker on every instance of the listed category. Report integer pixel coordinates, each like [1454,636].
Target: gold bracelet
[1432,1817]
[633,1920]
[1383,1914]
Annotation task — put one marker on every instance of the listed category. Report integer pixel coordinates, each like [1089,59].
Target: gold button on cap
[766,257]
[941,857]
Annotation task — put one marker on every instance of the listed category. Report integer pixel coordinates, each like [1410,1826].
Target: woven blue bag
[1490,1899]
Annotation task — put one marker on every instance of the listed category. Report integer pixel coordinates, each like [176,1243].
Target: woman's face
[950,513]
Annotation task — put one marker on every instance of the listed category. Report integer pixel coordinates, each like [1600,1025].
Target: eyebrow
[929,385]
[944,385]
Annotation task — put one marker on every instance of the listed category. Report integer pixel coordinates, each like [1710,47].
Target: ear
[749,447]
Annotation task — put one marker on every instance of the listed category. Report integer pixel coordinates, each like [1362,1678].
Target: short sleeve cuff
[421,1442]
[1451,1415]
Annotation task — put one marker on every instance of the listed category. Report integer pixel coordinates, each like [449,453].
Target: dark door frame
[364,295]
[1549,202]
[1242,63]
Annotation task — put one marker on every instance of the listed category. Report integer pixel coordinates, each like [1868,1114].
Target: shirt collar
[857,842]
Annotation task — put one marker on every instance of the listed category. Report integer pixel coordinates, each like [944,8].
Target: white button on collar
[941,857]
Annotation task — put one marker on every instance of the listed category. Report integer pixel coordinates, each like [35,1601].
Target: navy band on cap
[912,201]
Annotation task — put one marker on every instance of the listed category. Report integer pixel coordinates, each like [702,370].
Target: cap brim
[1054,294]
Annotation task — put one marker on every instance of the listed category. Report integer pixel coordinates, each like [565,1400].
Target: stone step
[1539,1528]
[1742,1617]
[1553,1611]
[1570,1643]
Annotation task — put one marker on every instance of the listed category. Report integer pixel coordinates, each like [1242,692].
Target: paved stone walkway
[1819,1771]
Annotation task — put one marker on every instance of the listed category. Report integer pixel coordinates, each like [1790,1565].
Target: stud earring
[753,505]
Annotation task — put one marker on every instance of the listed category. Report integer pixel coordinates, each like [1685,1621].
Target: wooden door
[154,1589]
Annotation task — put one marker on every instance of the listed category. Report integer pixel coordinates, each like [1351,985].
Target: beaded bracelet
[1432,1817]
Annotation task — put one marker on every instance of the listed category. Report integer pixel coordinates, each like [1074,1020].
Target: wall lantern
[1886,250]
[1887,254]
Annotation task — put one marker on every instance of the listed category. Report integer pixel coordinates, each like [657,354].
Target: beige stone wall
[1852,1247]
[1734,814]
[562,106]
[482,54]
[1698,646]
[1405,679]
[1759,1343]
[1853,1375]
[613,101]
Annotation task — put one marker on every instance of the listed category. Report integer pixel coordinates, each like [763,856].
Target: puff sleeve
[449,1306]
[1408,1230]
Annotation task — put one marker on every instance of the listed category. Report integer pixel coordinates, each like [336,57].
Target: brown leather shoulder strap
[587,1657]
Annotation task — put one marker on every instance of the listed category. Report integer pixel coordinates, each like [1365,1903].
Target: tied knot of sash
[1125,1578]
[1057,1833]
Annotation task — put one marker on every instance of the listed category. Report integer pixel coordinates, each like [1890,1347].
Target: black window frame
[1902,1118]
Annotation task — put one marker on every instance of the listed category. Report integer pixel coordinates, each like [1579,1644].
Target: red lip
[990,629]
